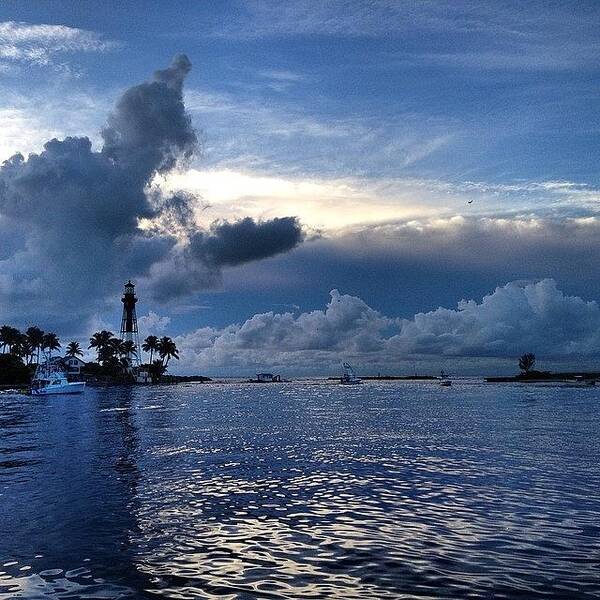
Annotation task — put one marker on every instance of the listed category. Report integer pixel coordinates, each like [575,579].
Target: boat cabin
[267,378]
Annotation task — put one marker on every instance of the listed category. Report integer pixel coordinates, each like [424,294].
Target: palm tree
[156,370]
[74,349]
[22,348]
[150,345]
[36,337]
[5,333]
[8,337]
[4,336]
[167,349]
[110,349]
[50,342]
[127,348]
[101,340]
[527,362]
[115,344]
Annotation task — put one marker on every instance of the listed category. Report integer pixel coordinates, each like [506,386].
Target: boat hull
[71,388]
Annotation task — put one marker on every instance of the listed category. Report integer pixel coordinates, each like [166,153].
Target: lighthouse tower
[129,326]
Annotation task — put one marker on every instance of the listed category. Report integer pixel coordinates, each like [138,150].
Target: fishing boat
[445,381]
[50,378]
[349,377]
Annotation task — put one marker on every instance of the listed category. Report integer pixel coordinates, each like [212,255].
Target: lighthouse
[129,326]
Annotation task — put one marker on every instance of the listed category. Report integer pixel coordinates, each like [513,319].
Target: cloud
[536,317]
[150,130]
[40,44]
[414,265]
[337,202]
[152,323]
[80,211]
[334,203]
[246,241]
[280,80]
[514,318]
[197,265]
[246,130]
[346,325]
[466,34]
[26,128]
[345,18]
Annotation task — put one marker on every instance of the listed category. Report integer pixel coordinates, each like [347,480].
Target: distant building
[71,364]
[142,376]
[267,378]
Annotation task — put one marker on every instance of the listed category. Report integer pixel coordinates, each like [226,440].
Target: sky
[404,185]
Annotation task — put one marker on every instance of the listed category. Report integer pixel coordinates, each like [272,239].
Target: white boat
[349,377]
[580,381]
[51,379]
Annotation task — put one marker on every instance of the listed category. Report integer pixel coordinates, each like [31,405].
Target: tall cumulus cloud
[71,214]
[514,318]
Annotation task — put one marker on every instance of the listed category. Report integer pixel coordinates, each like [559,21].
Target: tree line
[28,345]
[113,354]
[21,352]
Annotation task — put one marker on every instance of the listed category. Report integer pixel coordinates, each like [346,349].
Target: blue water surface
[301,490]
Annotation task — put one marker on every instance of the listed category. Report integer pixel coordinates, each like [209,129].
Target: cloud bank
[517,317]
[75,212]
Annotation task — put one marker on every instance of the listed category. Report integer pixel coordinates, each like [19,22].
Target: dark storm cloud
[198,264]
[80,209]
[150,129]
[246,240]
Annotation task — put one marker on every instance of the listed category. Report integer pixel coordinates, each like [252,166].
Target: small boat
[444,380]
[581,381]
[51,379]
[349,377]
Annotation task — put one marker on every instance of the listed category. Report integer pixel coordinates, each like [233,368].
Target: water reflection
[71,515]
[302,491]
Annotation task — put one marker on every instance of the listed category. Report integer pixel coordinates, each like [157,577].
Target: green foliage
[527,362]
[9,337]
[113,355]
[13,371]
[36,338]
[74,349]
[156,370]
[50,342]
[92,368]
[167,350]
[28,345]
[150,345]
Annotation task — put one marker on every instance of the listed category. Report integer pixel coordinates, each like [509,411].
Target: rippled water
[305,490]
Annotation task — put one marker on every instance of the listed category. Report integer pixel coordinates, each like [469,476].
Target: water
[306,490]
